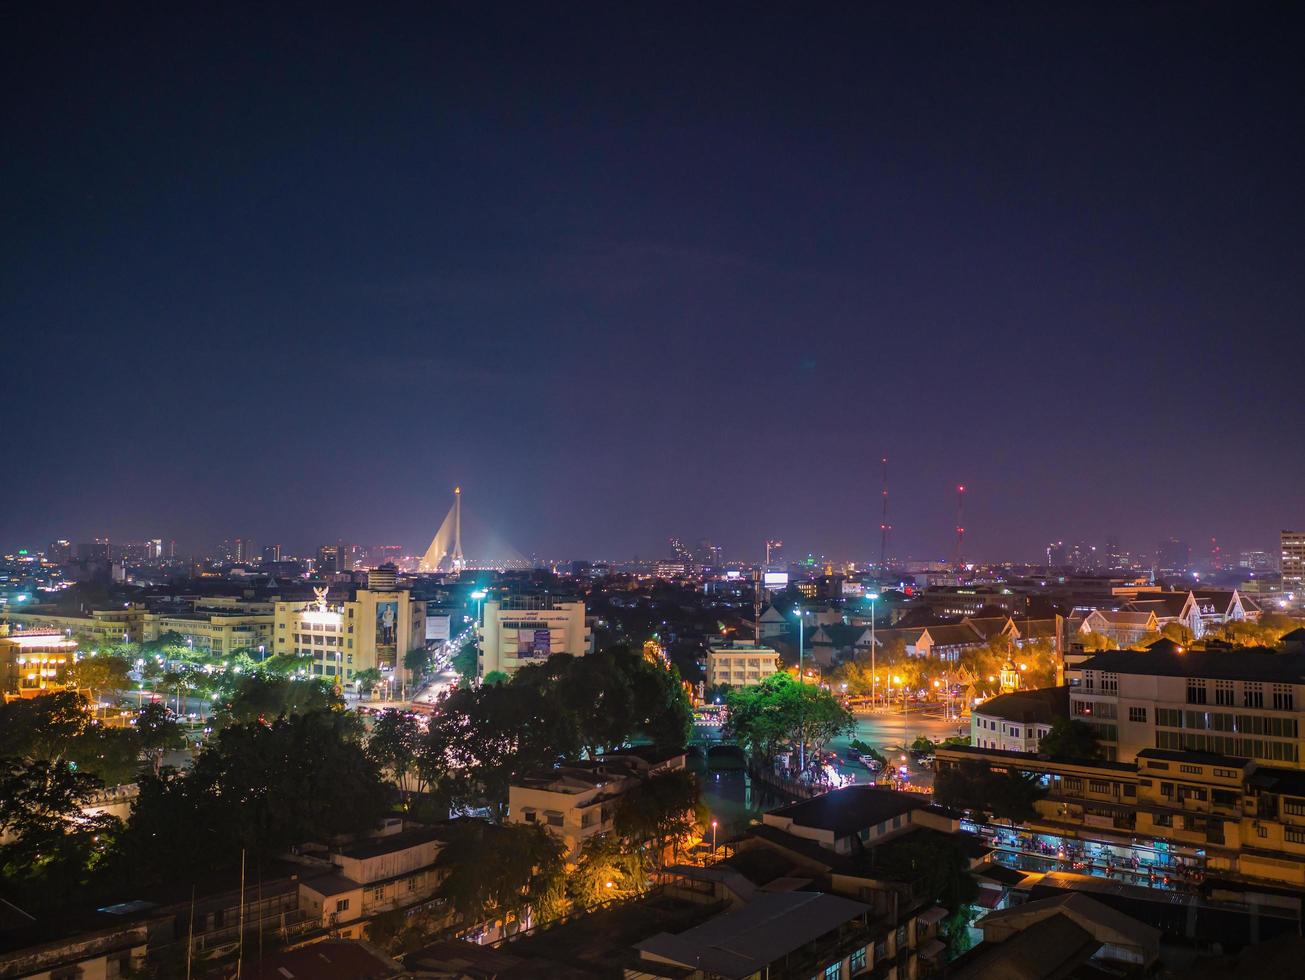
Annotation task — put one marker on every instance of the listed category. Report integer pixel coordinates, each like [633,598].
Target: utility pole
[959,557]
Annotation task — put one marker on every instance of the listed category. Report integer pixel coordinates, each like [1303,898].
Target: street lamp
[873,597]
[713,840]
[802,742]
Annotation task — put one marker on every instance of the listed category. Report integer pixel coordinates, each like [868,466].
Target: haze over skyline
[632,273]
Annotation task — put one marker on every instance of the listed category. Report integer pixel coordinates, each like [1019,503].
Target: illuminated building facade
[522,630]
[33,663]
[376,628]
[1293,566]
[1249,704]
[740,666]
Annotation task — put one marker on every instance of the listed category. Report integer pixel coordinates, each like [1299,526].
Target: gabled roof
[851,809]
[1247,664]
[751,938]
[1130,618]
[1039,706]
[954,636]
[1166,604]
[991,626]
[1104,923]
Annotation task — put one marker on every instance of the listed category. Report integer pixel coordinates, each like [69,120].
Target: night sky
[628,271]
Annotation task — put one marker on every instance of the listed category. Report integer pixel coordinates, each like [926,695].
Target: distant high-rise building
[1292,563]
[1173,557]
[1115,555]
[328,559]
[1256,561]
[774,552]
[384,554]
[1083,557]
[1057,556]
[271,552]
[155,547]
[97,550]
[59,551]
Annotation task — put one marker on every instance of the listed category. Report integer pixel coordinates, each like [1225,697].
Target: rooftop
[331,959]
[1198,758]
[749,939]
[375,846]
[1041,705]
[1250,664]
[853,808]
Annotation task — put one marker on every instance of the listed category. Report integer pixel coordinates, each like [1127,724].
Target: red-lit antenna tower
[884,526]
[960,525]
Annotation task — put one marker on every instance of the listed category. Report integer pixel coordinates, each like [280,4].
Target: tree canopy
[974,786]
[1069,738]
[780,711]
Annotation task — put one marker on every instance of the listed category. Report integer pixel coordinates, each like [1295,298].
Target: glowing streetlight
[713,840]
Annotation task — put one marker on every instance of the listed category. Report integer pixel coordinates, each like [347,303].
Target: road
[886,730]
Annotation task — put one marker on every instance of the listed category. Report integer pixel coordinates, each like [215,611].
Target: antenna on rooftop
[884,526]
[959,557]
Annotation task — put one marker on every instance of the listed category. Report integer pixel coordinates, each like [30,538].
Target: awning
[932,949]
[932,917]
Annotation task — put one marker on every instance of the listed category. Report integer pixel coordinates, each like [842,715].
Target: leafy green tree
[44,727]
[1069,738]
[285,665]
[50,843]
[110,754]
[658,812]
[503,871]
[780,711]
[396,745]
[158,731]
[974,786]
[367,679]
[417,661]
[1097,642]
[100,672]
[257,696]
[496,677]
[608,869]
[261,787]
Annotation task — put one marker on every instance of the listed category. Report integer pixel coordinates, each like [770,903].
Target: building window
[1295,808]
[1282,697]
[1099,786]
[1261,831]
[834,971]
[1294,836]
[857,960]
[1253,696]
[1110,683]
[1223,693]
[341,905]
[1137,714]
[1195,690]
[1191,770]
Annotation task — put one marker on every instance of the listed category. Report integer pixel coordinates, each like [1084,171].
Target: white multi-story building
[578,800]
[1292,566]
[1017,721]
[1245,704]
[740,665]
[517,631]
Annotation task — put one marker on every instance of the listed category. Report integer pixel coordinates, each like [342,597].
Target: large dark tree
[1069,738]
[974,786]
[504,870]
[263,697]
[50,842]
[658,812]
[257,787]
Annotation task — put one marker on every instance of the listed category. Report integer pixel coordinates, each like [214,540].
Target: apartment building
[108,627]
[741,665]
[32,662]
[394,870]
[1174,810]
[578,800]
[1245,703]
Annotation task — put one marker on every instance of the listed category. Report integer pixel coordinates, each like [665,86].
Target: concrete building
[373,629]
[578,800]
[1248,704]
[387,872]
[741,665]
[1167,812]
[34,662]
[1292,565]
[1017,721]
[217,627]
[1123,627]
[520,630]
[110,626]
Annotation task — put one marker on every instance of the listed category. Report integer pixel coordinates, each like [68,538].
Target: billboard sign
[776,581]
[534,644]
[387,624]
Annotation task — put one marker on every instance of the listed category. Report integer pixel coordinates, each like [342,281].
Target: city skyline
[627,274]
